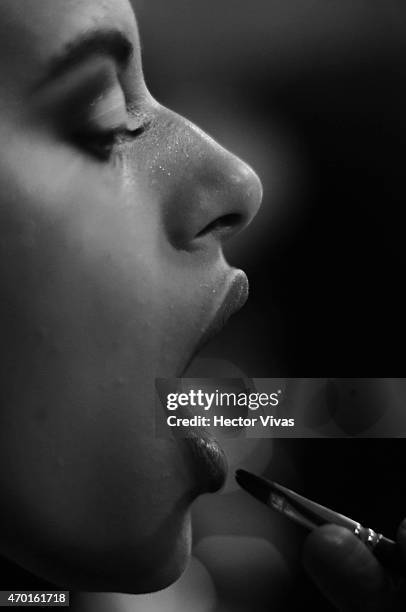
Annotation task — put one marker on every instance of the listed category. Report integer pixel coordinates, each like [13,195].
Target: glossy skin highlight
[111,270]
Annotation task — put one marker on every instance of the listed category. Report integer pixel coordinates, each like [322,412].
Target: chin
[163,574]
[153,566]
[160,571]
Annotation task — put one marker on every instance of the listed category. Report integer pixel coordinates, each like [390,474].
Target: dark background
[313,95]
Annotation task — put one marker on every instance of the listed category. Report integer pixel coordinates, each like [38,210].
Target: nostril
[224,225]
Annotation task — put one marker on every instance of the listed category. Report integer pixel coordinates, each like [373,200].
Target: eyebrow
[112,43]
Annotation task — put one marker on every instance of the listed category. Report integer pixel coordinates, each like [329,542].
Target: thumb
[401,538]
[343,568]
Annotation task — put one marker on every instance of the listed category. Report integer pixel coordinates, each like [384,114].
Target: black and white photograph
[202,304]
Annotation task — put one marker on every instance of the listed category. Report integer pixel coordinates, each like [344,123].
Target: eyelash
[101,143]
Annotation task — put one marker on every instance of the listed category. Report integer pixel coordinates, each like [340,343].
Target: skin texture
[111,270]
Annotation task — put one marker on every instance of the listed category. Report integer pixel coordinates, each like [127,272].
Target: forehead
[33,31]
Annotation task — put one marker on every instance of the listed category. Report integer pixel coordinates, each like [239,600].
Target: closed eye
[101,144]
[82,95]
[91,110]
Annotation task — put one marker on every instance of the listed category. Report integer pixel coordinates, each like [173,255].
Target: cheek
[76,255]
[81,319]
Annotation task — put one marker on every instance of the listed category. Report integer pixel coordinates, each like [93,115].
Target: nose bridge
[218,193]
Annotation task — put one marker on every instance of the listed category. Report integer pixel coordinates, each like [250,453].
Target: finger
[344,569]
[400,581]
[401,538]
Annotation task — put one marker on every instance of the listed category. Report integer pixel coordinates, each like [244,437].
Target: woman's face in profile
[113,211]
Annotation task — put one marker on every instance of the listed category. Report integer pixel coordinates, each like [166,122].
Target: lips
[204,452]
[237,289]
[208,460]
[235,298]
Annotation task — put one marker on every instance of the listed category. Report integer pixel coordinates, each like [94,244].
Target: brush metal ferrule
[368,536]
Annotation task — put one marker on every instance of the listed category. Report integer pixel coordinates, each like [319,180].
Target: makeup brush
[310,515]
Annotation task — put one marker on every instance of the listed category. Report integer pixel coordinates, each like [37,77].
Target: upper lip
[236,294]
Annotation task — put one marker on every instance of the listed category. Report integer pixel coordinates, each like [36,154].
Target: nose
[213,194]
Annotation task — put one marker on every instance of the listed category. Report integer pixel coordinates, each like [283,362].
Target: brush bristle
[255,485]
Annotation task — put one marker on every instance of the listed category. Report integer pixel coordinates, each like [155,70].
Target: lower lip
[208,461]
